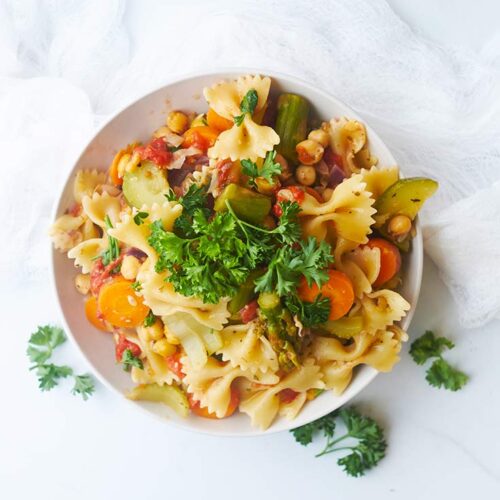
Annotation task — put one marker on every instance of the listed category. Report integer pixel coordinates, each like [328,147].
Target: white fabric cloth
[67,64]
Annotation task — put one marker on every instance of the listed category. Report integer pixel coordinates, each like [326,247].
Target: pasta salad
[245,259]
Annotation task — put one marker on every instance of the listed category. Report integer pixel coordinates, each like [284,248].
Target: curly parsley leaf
[247,105]
[289,228]
[268,171]
[41,346]
[440,374]
[429,346]
[136,286]
[150,319]
[139,217]
[309,313]
[365,439]
[129,360]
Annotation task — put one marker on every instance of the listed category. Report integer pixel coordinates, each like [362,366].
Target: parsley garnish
[309,313]
[173,149]
[440,373]
[139,217]
[150,319]
[247,105]
[136,286]
[129,360]
[113,251]
[41,346]
[269,169]
[365,439]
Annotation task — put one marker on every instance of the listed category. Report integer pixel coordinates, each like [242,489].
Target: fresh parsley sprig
[247,105]
[363,437]
[150,319]
[41,346]
[270,168]
[129,360]
[139,217]
[113,251]
[441,373]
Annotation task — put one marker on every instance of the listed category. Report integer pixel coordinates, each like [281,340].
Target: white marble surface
[441,444]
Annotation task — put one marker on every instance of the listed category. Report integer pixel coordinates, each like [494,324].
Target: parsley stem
[329,445]
[243,223]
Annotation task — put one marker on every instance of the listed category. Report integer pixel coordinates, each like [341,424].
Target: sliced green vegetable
[268,301]
[145,185]
[344,328]
[291,124]
[245,293]
[171,395]
[246,204]
[404,197]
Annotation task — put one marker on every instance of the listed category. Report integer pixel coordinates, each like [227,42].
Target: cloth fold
[68,65]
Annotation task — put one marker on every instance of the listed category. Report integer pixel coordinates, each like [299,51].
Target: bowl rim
[56,207]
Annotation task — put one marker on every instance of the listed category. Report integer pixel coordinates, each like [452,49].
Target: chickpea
[265,187]
[286,173]
[399,226]
[163,348]
[319,136]
[310,152]
[155,331]
[82,283]
[327,193]
[177,122]
[305,175]
[130,267]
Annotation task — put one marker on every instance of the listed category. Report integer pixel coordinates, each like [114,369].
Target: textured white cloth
[67,64]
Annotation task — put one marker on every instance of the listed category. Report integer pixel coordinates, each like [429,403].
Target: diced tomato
[249,312]
[291,193]
[332,159]
[123,345]
[175,365]
[203,412]
[75,210]
[101,274]
[287,395]
[226,173]
[156,151]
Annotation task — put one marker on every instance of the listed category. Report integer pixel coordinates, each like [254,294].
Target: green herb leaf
[150,319]
[136,286]
[139,217]
[129,360]
[49,375]
[268,171]
[309,313]
[429,346]
[84,386]
[441,374]
[247,105]
[173,149]
[43,342]
[113,251]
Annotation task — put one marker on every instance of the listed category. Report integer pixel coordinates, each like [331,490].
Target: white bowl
[136,122]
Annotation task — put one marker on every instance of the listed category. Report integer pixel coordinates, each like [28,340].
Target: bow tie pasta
[242,259]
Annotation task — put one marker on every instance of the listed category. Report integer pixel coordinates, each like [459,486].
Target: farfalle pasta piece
[263,405]
[247,140]
[377,179]
[381,309]
[98,206]
[85,183]
[380,351]
[349,210]
[348,140]
[362,265]
[211,383]
[86,252]
[246,346]
[65,232]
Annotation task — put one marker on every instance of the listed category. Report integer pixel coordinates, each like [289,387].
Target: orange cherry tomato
[203,412]
[119,304]
[93,315]
[217,121]
[200,137]
[174,364]
[390,260]
[338,289]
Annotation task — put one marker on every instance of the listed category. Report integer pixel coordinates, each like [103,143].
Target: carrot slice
[92,314]
[338,289]
[200,137]
[390,260]
[119,304]
[217,121]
